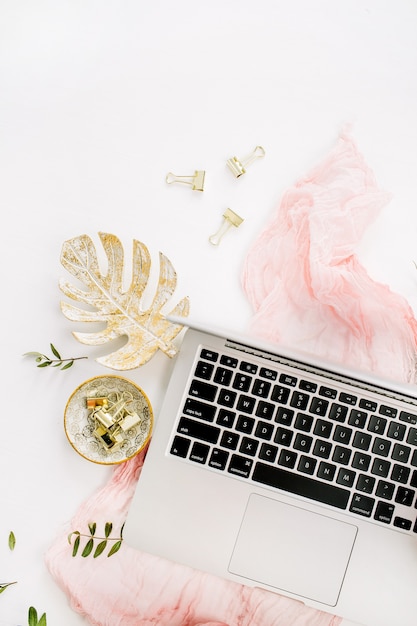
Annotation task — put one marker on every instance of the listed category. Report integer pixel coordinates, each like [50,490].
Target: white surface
[98,101]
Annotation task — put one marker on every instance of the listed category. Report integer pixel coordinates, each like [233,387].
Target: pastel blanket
[308,290]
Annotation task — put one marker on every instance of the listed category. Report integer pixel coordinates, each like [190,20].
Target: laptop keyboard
[297,431]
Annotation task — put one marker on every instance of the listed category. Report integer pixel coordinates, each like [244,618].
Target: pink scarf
[308,290]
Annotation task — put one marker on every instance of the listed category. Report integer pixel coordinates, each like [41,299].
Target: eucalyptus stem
[55,360]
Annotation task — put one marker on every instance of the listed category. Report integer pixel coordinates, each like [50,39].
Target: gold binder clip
[196,180]
[238,166]
[230,218]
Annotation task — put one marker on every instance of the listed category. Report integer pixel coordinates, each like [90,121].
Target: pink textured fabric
[308,290]
[133,588]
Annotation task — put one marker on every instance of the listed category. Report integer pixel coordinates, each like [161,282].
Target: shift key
[198,430]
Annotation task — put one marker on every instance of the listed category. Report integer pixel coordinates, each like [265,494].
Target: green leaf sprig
[91,544]
[55,361]
[3,586]
[33,618]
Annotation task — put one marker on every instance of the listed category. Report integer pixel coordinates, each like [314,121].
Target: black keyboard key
[397,431]
[280,394]
[361,440]
[284,416]
[180,446]
[301,485]
[385,490]
[240,466]
[319,406]
[361,461]
[227,398]
[306,385]
[261,388]
[299,400]
[342,434]
[357,418]
[209,355]
[283,436]
[341,455]
[204,370]
[303,422]
[348,398]
[226,418]
[412,436]
[381,446]
[246,404]
[218,459]
[338,412]
[264,430]
[381,467]
[223,376]
[302,442]
[248,446]
[384,512]
[267,373]
[388,411]
[199,452]
[326,471]
[249,368]
[400,473]
[286,379]
[401,453]
[198,430]
[287,458]
[405,496]
[201,410]
[377,424]
[322,449]
[229,361]
[245,424]
[323,428]
[307,464]
[242,382]
[202,390]
[365,483]
[362,505]
[368,405]
[401,522]
[229,440]
[328,392]
[410,418]
[268,452]
[346,477]
[265,410]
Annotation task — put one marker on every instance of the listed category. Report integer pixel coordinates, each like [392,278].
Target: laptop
[277,470]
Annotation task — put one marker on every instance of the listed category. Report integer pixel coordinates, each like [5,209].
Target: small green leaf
[12,540]
[108,528]
[4,586]
[55,351]
[76,545]
[121,530]
[100,548]
[92,527]
[42,621]
[45,364]
[115,548]
[32,616]
[88,547]
[67,365]
[36,354]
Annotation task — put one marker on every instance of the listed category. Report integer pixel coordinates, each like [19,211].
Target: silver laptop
[275,470]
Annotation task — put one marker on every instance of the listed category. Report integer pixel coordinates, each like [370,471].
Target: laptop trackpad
[292,549]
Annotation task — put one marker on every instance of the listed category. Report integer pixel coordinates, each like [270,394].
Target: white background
[98,101]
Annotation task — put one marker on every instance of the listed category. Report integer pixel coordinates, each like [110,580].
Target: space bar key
[301,485]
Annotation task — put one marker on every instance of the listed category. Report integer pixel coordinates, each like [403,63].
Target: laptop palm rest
[292,549]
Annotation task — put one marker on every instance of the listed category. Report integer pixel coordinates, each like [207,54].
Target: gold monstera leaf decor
[147,330]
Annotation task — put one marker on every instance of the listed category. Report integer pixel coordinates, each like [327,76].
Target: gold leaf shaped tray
[79,424]
[147,330]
